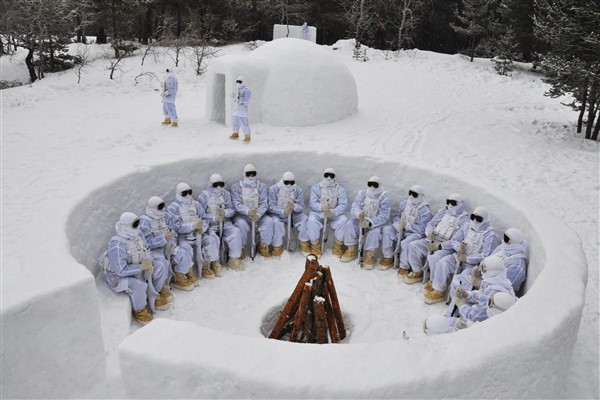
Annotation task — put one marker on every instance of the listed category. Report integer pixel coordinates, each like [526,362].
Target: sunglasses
[135,224]
[238,81]
[217,184]
[250,173]
[506,238]
[413,194]
[373,184]
[186,192]
[160,206]
[477,218]
[289,183]
[329,175]
[451,202]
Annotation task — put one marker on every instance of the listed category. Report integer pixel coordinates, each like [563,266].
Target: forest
[560,38]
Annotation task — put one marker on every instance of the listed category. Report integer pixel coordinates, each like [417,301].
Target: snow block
[52,340]
[521,353]
[294,82]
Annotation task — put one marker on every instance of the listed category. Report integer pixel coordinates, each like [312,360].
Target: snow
[294,82]
[75,156]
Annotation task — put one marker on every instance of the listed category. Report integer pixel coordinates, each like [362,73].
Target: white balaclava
[436,324]
[241,79]
[417,189]
[216,178]
[152,207]
[493,266]
[328,181]
[482,212]
[458,198]
[252,179]
[287,176]
[515,236]
[125,225]
[181,187]
[371,191]
[499,302]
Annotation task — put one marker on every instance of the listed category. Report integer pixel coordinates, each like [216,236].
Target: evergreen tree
[474,19]
[572,62]
[506,52]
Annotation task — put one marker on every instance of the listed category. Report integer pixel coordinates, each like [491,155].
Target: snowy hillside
[63,142]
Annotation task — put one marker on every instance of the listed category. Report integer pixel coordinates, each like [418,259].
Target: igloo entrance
[219,339]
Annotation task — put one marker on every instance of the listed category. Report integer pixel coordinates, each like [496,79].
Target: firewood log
[333,332]
[339,319]
[320,320]
[301,313]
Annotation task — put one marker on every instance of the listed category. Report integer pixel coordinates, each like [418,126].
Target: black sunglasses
[250,173]
[135,224]
[477,218]
[160,206]
[451,202]
[186,192]
[289,183]
[413,194]
[329,175]
[238,81]
[217,184]
[506,239]
[373,184]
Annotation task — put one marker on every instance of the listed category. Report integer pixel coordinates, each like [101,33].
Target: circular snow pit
[521,353]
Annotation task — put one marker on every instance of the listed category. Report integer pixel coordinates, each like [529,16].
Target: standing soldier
[241,97]
[170,87]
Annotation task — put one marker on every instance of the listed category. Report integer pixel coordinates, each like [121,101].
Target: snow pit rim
[91,225]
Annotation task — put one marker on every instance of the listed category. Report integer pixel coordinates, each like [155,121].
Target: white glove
[169,236]
[462,324]
[173,250]
[476,272]
[364,223]
[251,212]
[218,217]
[198,226]
[221,212]
[476,282]
[462,257]
[460,292]
[165,93]
[325,207]
[361,215]
[289,208]
[400,225]
[433,246]
[255,218]
[146,265]
[459,301]
[430,236]
[329,213]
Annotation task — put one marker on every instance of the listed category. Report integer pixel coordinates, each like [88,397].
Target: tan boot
[434,297]
[243,255]
[174,125]
[413,277]
[277,251]
[246,139]
[235,264]
[315,247]
[143,316]
[165,293]
[167,121]
[428,287]
[263,250]
[350,254]
[369,259]
[338,248]
[386,263]
[216,267]
[160,303]
[402,273]
[304,248]
[207,272]
[181,282]
[234,136]
[192,277]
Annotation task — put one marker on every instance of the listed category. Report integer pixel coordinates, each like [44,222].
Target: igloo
[294,83]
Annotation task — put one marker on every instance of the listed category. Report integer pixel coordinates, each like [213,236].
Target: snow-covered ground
[61,141]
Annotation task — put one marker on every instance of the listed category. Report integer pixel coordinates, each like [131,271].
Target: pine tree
[474,18]
[572,62]
[506,52]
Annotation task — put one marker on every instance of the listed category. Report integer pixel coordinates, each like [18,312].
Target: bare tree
[361,16]
[82,51]
[405,16]
[199,52]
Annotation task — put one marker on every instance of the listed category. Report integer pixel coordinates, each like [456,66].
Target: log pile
[312,314]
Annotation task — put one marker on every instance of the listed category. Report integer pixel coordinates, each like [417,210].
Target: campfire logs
[312,314]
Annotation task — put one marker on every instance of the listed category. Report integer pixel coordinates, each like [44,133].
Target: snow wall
[294,82]
[293,31]
[521,354]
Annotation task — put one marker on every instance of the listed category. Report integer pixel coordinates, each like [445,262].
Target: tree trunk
[582,108]
[596,129]
[30,66]
[591,115]
[472,48]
